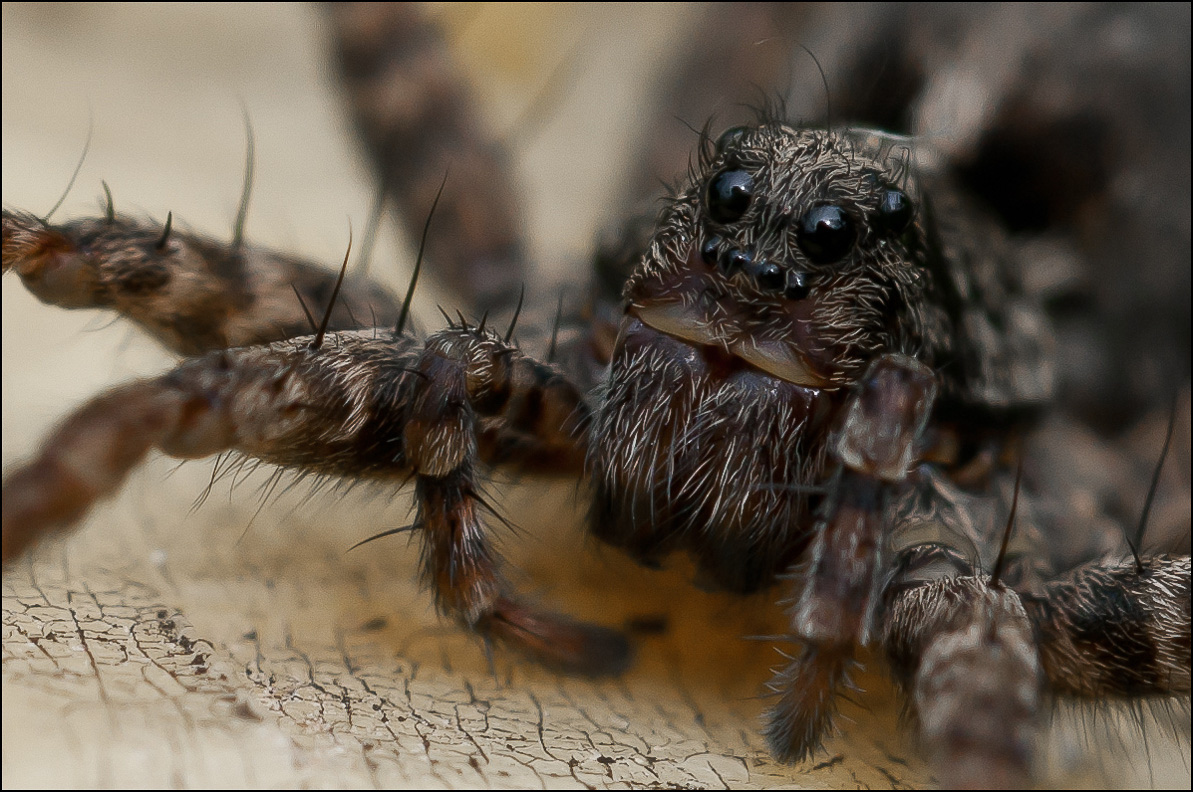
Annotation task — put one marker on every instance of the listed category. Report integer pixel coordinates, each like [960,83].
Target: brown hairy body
[714,433]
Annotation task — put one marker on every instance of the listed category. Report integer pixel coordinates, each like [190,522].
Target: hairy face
[789,260]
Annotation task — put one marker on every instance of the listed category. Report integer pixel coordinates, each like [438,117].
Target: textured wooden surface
[235,646]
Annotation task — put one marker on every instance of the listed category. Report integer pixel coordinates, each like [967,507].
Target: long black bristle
[555,330]
[1000,562]
[828,106]
[109,205]
[246,189]
[383,534]
[1137,542]
[305,309]
[517,312]
[165,237]
[418,261]
[335,293]
[75,174]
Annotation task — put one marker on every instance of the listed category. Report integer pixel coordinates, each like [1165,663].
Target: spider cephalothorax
[789,261]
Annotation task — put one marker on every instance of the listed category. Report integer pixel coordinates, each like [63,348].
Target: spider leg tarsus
[841,586]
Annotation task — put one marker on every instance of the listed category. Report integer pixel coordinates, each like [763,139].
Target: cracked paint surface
[293,673]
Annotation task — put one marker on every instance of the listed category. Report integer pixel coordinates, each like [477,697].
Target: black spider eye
[736,260]
[729,194]
[826,233]
[708,251]
[729,137]
[894,211]
[769,276]
[797,285]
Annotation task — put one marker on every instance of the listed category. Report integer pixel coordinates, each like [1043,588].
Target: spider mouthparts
[678,320]
[776,358]
[779,359]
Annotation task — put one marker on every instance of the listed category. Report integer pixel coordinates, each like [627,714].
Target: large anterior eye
[729,194]
[826,234]
[729,137]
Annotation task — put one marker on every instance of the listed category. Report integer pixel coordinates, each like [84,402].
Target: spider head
[785,264]
[797,252]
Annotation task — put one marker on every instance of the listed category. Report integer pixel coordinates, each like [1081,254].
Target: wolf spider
[822,364]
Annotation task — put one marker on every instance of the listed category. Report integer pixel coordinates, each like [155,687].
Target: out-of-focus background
[237,644]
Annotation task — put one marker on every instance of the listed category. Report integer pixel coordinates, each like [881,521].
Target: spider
[826,475]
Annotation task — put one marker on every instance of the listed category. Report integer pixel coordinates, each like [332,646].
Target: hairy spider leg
[371,405]
[873,447]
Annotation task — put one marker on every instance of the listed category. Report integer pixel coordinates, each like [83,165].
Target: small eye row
[768,275]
